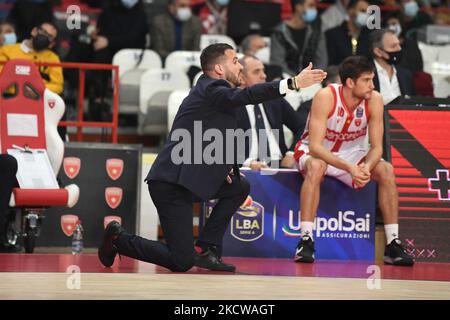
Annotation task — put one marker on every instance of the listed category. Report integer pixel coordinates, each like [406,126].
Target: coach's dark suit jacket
[279,112]
[405,81]
[214,103]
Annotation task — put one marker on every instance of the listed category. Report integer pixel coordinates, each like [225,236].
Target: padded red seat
[29,116]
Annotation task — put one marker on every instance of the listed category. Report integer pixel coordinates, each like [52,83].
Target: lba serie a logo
[248,222]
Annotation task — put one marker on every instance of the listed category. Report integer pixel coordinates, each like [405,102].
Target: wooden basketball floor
[66,276]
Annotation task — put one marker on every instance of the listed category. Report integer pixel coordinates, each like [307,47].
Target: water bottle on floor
[77,239]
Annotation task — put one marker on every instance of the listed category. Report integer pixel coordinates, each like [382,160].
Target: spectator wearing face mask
[213,15]
[38,48]
[413,18]
[7,34]
[411,57]
[177,29]
[255,45]
[122,24]
[352,36]
[390,79]
[298,41]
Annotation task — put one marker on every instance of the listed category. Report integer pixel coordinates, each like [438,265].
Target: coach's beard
[234,80]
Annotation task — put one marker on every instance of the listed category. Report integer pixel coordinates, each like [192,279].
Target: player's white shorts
[353,156]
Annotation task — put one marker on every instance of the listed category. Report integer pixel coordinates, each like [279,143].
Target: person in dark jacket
[411,56]
[176,29]
[8,170]
[390,79]
[298,41]
[186,169]
[352,36]
[121,25]
[27,14]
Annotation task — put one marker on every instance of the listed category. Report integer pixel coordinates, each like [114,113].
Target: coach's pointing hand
[309,76]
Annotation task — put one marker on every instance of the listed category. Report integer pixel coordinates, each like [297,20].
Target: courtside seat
[29,115]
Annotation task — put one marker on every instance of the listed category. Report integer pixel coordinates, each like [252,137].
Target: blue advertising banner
[268,223]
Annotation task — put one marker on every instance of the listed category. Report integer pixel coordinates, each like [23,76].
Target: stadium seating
[207,39]
[174,102]
[132,64]
[182,60]
[156,86]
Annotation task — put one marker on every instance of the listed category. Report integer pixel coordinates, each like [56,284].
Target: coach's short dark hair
[353,67]
[212,53]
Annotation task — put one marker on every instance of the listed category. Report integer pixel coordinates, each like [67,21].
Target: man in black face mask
[390,79]
[38,48]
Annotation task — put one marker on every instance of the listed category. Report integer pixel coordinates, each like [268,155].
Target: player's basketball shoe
[107,251]
[305,250]
[395,254]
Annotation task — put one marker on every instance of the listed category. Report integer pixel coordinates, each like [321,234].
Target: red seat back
[424,84]
[23,110]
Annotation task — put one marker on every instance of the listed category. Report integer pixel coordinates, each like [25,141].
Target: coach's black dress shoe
[107,251]
[210,259]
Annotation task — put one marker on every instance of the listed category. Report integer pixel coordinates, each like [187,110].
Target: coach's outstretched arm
[222,93]
[309,76]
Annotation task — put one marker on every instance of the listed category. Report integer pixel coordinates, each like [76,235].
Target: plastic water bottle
[77,239]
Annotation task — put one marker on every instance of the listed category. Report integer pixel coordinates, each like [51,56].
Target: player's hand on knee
[309,76]
[364,168]
[359,176]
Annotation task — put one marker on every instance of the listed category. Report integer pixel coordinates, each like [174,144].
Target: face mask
[361,19]
[183,14]
[310,15]
[129,3]
[394,57]
[223,3]
[263,55]
[40,42]
[396,28]
[411,9]
[10,38]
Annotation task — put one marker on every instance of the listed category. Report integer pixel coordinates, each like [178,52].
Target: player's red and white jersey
[345,130]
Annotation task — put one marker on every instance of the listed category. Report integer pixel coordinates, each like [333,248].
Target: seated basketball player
[333,144]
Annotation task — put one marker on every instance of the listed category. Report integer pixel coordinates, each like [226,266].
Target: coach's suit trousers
[175,204]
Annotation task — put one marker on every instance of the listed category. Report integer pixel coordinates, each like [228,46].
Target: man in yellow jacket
[37,48]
